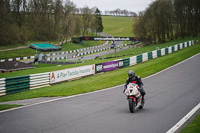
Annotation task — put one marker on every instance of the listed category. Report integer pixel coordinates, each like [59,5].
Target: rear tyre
[131,105]
[141,107]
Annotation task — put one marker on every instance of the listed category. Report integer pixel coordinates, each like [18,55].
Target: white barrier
[154,54]
[2,87]
[185,44]
[144,57]
[133,60]
[176,47]
[162,51]
[181,45]
[39,80]
[170,50]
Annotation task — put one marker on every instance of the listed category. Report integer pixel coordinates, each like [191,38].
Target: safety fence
[39,80]
[18,59]
[64,55]
[77,52]
[61,54]
[33,81]
[21,83]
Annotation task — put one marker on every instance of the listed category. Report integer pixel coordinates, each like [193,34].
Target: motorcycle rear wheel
[131,105]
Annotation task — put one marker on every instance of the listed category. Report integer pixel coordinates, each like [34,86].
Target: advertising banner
[106,39]
[72,73]
[109,66]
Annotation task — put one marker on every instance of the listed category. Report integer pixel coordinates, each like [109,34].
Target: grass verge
[108,79]
[193,127]
[8,106]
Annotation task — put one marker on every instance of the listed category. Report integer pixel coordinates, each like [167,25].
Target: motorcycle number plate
[132,93]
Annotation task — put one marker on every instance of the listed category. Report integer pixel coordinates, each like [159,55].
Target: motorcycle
[134,97]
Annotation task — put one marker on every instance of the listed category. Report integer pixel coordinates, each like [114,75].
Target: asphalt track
[171,94]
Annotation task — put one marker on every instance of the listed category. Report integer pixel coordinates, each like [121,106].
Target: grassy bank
[193,127]
[108,79]
[118,26]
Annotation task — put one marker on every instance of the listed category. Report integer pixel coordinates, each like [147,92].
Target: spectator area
[45,47]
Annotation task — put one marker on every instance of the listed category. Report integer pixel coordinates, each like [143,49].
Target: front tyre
[131,105]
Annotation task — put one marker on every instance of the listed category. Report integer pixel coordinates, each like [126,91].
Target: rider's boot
[143,100]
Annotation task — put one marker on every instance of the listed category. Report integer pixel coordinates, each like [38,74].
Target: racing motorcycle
[134,97]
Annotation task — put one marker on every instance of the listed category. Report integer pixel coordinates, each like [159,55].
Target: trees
[168,19]
[98,25]
[119,12]
[87,19]
[43,20]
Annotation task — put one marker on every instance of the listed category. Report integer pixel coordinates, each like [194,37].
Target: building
[10,66]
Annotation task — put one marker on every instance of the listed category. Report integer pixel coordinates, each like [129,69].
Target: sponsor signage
[106,39]
[109,66]
[72,73]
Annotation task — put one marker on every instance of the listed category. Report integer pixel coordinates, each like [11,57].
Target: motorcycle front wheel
[131,105]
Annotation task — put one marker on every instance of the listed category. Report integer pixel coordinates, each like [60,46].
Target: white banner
[72,73]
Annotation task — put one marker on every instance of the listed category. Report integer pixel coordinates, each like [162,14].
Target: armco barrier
[157,53]
[126,62]
[39,80]
[139,58]
[133,60]
[22,83]
[17,59]
[17,84]
[150,55]
[144,57]
[2,87]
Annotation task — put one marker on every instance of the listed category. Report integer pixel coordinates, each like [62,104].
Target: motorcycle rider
[132,78]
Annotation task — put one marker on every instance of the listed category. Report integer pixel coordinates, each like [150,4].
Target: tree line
[45,20]
[119,12]
[168,19]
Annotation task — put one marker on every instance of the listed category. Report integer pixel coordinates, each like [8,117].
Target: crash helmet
[131,74]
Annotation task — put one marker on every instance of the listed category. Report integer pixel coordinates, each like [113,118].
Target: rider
[132,78]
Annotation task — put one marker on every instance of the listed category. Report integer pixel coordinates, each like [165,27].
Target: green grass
[193,127]
[108,79]
[118,26]
[17,53]
[8,106]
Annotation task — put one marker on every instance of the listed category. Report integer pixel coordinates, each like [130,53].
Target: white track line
[183,120]
[94,91]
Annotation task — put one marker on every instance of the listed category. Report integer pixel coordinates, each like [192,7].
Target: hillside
[118,26]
